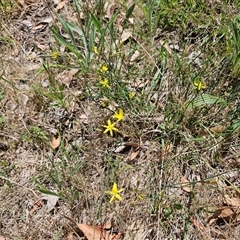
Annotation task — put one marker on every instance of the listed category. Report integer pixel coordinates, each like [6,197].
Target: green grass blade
[130,11]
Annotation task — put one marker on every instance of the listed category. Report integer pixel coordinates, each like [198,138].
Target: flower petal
[119,191]
[117,196]
[114,188]
[112,198]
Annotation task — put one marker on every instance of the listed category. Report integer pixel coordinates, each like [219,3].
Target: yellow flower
[104,83]
[54,55]
[199,85]
[131,95]
[95,50]
[104,68]
[110,127]
[115,193]
[119,115]
[104,104]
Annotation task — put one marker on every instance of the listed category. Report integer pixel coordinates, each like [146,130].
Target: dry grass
[169,134]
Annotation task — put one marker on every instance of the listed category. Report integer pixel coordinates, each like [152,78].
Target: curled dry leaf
[125,36]
[94,233]
[126,145]
[217,129]
[51,201]
[110,9]
[135,56]
[231,201]
[24,3]
[185,185]
[84,118]
[133,155]
[61,5]
[68,76]
[229,214]
[55,142]
[42,23]
[226,213]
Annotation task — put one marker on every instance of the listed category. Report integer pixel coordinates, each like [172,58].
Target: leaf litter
[98,232]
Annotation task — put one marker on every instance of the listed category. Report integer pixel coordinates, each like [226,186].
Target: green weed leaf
[130,11]
[206,99]
[45,191]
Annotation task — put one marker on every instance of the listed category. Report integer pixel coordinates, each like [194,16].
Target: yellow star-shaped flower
[104,83]
[131,95]
[115,193]
[119,115]
[110,127]
[104,68]
[54,55]
[199,85]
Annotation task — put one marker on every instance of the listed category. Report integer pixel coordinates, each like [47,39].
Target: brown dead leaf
[217,129]
[125,36]
[51,201]
[139,83]
[41,46]
[2,238]
[84,118]
[68,76]
[56,142]
[94,233]
[126,145]
[186,186]
[133,155]
[42,23]
[231,201]
[135,56]
[61,5]
[132,144]
[24,3]
[110,9]
[225,213]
